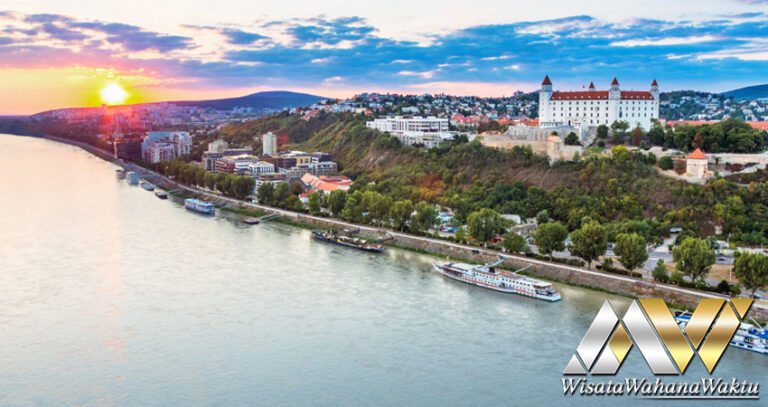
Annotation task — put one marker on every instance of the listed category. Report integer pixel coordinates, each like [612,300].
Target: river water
[110,296]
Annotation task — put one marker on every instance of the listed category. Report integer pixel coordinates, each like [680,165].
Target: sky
[61,53]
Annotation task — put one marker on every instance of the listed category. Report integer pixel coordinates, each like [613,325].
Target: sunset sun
[113,94]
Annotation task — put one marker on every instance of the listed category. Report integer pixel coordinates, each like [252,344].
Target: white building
[595,107]
[180,142]
[160,151]
[412,130]
[261,167]
[269,142]
[217,146]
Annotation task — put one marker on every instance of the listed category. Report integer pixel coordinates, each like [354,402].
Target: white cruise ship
[747,336]
[489,277]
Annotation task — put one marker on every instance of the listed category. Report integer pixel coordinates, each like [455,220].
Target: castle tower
[655,90]
[545,114]
[614,92]
[591,86]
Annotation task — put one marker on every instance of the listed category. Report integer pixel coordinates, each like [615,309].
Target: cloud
[321,50]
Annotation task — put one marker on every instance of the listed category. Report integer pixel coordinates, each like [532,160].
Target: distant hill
[272,100]
[749,93]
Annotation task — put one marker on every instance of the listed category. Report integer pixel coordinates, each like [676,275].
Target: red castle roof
[546,80]
[601,95]
[615,82]
[654,83]
[591,85]
[697,155]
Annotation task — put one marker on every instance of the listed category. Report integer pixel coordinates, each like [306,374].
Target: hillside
[748,93]
[624,192]
[272,100]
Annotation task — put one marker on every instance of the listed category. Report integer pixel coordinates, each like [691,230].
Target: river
[110,296]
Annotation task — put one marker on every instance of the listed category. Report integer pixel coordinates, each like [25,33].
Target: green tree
[630,247]
[313,203]
[550,237]
[589,242]
[425,217]
[266,193]
[353,211]
[297,188]
[460,235]
[602,131]
[542,217]
[298,206]
[514,243]
[210,180]
[666,163]
[336,201]
[401,213]
[660,272]
[693,257]
[752,270]
[282,193]
[572,139]
[484,224]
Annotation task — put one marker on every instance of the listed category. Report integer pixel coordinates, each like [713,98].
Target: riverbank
[600,281]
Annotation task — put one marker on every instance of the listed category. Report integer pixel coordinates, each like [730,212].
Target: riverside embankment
[620,284]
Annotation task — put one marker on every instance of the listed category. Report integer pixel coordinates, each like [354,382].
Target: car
[757,296]
[721,259]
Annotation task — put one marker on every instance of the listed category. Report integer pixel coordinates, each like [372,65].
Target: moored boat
[251,221]
[348,241]
[487,276]
[147,186]
[199,206]
[120,173]
[161,194]
[133,178]
[747,336]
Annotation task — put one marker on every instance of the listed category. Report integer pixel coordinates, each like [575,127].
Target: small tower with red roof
[591,86]
[545,94]
[655,90]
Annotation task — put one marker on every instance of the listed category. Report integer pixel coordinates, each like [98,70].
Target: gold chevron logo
[649,324]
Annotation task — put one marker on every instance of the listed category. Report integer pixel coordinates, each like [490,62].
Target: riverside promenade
[621,284]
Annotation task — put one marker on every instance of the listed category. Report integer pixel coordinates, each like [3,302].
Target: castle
[593,107]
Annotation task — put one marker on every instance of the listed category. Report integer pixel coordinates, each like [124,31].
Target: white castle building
[595,107]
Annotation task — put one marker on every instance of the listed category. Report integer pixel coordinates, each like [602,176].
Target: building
[160,151]
[412,130]
[261,167]
[595,107]
[128,149]
[326,184]
[209,158]
[217,146]
[157,143]
[269,142]
[696,166]
[235,164]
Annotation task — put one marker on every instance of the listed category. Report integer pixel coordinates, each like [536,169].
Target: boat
[133,178]
[146,185]
[487,276]
[161,194]
[348,241]
[199,206]
[251,221]
[747,336]
[120,173]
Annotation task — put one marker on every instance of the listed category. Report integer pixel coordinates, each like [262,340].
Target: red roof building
[697,155]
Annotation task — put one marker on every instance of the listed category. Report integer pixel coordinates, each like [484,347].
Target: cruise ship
[199,206]
[747,336]
[488,276]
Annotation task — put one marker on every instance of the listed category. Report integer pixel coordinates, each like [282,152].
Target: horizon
[69,53]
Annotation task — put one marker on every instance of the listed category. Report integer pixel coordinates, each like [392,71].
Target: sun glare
[113,94]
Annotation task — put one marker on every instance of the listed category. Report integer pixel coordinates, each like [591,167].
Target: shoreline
[615,284]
